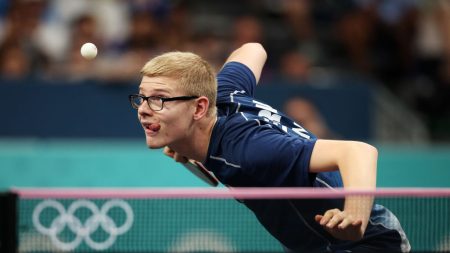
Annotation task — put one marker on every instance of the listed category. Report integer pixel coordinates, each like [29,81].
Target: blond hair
[195,75]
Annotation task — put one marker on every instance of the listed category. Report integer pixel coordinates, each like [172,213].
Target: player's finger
[336,219]
[357,223]
[179,158]
[345,223]
[318,217]
[327,216]
[168,152]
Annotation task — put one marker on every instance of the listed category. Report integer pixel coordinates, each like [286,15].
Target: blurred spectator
[111,19]
[176,27]
[21,55]
[144,35]
[246,29]
[143,42]
[211,44]
[404,44]
[392,32]
[23,18]
[295,67]
[297,17]
[74,67]
[433,39]
[305,113]
[14,63]
[211,47]
[355,31]
[250,28]
[429,92]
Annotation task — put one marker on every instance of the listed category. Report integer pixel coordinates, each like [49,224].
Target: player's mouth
[151,128]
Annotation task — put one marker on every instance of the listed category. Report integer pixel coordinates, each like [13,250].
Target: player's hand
[341,225]
[177,157]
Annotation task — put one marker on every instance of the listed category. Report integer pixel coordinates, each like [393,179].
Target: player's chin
[153,144]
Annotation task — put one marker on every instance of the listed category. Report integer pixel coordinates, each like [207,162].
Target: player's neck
[208,134]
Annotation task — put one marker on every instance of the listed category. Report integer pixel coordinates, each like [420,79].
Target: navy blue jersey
[270,148]
[254,145]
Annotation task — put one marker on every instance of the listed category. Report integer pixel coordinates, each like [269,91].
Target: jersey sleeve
[234,78]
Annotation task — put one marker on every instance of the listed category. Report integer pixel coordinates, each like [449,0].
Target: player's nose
[144,109]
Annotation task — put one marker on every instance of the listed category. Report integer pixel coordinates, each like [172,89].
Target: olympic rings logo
[99,218]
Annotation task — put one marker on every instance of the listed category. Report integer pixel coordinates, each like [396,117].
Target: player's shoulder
[235,123]
[236,128]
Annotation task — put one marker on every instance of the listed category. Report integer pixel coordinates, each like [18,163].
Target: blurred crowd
[402,44]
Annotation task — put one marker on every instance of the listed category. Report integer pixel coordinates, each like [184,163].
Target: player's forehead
[158,84]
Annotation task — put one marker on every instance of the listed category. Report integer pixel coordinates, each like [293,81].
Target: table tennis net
[198,219]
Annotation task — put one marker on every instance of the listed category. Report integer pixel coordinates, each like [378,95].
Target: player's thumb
[169,152]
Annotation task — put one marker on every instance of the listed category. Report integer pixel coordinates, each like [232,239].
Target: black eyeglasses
[155,103]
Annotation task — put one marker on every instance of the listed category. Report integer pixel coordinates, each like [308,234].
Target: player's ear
[201,109]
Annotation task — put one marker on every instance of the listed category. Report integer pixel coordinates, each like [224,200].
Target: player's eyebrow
[156,90]
[166,88]
[153,82]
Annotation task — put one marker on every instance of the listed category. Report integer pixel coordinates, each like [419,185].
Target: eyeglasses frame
[163,100]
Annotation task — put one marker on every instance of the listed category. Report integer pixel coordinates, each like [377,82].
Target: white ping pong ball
[88,51]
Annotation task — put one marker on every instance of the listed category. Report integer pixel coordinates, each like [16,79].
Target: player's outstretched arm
[253,55]
[357,163]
